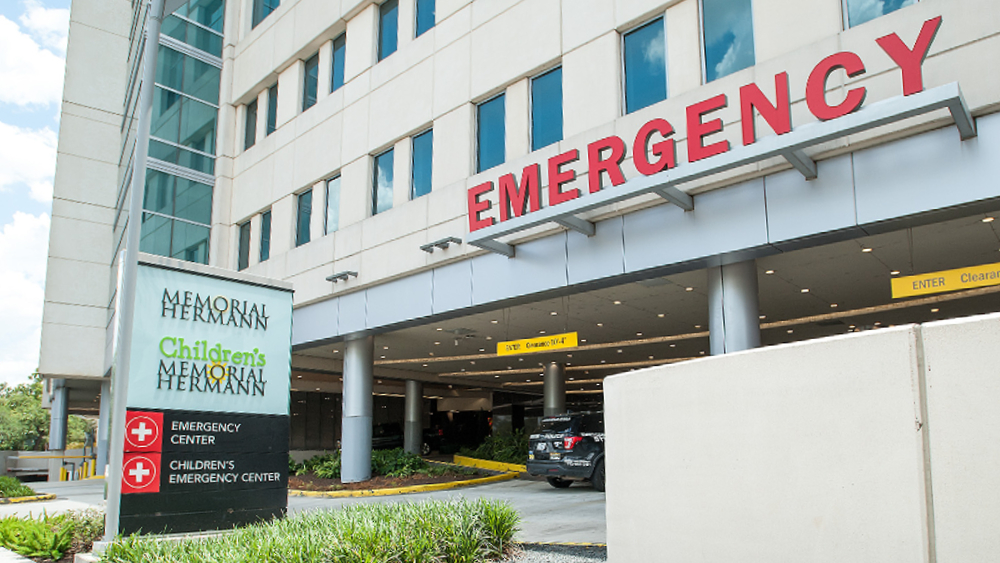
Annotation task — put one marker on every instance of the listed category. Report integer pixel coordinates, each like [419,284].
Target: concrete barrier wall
[878,446]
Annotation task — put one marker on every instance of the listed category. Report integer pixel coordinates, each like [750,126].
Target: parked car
[567,448]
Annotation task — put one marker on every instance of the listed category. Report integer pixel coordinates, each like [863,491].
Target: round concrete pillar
[733,308]
[356,436]
[554,389]
[413,417]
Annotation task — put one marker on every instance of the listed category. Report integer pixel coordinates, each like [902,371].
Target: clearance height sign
[206,429]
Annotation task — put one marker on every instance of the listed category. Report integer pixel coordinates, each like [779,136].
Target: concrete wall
[879,446]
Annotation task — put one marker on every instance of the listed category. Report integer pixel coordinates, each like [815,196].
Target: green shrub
[457,531]
[293,466]
[397,463]
[506,447]
[11,487]
[50,537]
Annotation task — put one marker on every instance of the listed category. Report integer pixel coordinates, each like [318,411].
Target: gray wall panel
[452,287]
[316,321]
[596,257]
[722,221]
[797,207]
[353,312]
[538,265]
[928,172]
[400,300]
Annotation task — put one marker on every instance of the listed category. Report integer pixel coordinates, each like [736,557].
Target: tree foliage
[24,424]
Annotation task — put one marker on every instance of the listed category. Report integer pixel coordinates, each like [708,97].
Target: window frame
[531,108]
[250,130]
[255,17]
[379,56]
[313,60]
[272,110]
[703,46]
[413,168]
[416,19]
[264,249]
[298,218]
[243,252]
[326,204]
[845,14]
[374,184]
[477,128]
[662,16]
[333,63]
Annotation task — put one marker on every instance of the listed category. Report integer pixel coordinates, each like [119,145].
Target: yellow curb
[19,500]
[92,477]
[486,464]
[403,490]
[563,543]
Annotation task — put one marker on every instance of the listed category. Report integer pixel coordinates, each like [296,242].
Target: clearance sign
[522,198]
[947,280]
[541,344]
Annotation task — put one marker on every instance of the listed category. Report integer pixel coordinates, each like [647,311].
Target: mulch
[310,482]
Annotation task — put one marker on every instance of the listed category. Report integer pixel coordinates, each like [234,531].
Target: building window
[243,260]
[423,164]
[645,66]
[861,11]
[310,82]
[388,26]
[303,217]
[265,235]
[491,133]
[176,218]
[250,134]
[262,9]
[382,183]
[546,109]
[339,54]
[272,110]
[727,27]
[332,222]
[425,16]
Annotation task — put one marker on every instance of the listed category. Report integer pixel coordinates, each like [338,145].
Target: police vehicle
[567,448]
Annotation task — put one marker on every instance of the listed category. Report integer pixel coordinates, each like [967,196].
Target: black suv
[567,448]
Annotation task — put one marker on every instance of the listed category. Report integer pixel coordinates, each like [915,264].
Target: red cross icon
[143,431]
[141,473]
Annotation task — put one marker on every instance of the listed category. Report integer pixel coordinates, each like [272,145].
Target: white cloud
[23,250]
[28,156]
[29,74]
[49,25]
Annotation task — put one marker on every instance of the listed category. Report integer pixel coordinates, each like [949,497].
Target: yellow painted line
[403,490]
[565,543]
[946,280]
[20,500]
[488,464]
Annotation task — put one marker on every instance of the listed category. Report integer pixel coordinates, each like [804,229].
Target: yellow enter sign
[947,280]
[541,344]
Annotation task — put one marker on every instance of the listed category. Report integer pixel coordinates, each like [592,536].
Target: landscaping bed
[52,538]
[310,482]
[12,488]
[390,469]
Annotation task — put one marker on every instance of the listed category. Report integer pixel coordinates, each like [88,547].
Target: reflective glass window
[546,109]
[195,36]
[861,11]
[423,164]
[339,53]
[155,237]
[272,109]
[425,16]
[382,183]
[310,85]
[303,217]
[208,13]
[250,126]
[728,39]
[192,201]
[243,259]
[645,66]
[183,120]
[188,75]
[265,235]
[262,9]
[388,28]
[491,133]
[180,156]
[189,242]
[332,222]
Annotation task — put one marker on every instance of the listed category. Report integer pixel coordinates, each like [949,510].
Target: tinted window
[423,157]
[244,250]
[265,236]
[425,16]
[546,109]
[388,24]
[262,9]
[592,423]
[339,52]
[728,37]
[861,11]
[382,183]
[303,218]
[272,109]
[491,134]
[332,205]
[310,84]
[250,136]
[556,425]
[645,66]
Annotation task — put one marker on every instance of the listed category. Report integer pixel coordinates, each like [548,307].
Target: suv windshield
[556,425]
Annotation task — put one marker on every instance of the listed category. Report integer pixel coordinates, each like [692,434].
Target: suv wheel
[598,479]
[559,483]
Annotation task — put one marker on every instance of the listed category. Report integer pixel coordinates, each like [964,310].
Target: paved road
[575,514]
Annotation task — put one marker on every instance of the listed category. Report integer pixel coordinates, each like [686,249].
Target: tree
[24,424]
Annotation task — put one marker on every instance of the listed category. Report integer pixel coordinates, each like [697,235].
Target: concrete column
[733,308]
[356,434]
[555,389]
[103,428]
[413,417]
[58,420]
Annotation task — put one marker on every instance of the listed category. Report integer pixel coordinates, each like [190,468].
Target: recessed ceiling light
[618,302]
[619,350]
[572,378]
[790,331]
[496,376]
[762,317]
[385,347]
[603,361]
[482,349]
[702,352]
[299,376]
[651,357]
[335,351]
[878,324]
[769,272]
[473,362]
[431,353]
[425,365]
[317,388]
[935,310]
[383,356]
[439,328]
[638,334]
[673,345]
[569,355]
[600,324]
[697,326]
[988,219]
[554,313]
[437,343]
[894,273]
[688,289]
[541,332]
[833,305]
[494,321]
[584,340]
[852,326]
[804,290]
[661,315]
[866,249]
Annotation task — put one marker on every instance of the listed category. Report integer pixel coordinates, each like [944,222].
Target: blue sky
[32,54]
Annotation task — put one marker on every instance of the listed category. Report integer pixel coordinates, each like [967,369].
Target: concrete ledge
[403,490]
[487,464]
[21,500]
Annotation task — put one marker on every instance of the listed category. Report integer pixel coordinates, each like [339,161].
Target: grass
[50,537]
[11,487]
[456,531]
[507,447]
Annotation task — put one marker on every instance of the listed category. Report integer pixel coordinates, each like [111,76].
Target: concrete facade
[868,447]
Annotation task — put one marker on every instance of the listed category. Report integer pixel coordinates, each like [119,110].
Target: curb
[21,500]
[8,556]
[486,464]
[563,543]
[403,490]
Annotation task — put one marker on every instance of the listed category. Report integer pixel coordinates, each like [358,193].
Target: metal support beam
[413,417]
[554,391]
[676,197]
[495,246]
[733,308]
[802,163]
[356,438]
[963,117]
[577,224]
[103,420]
